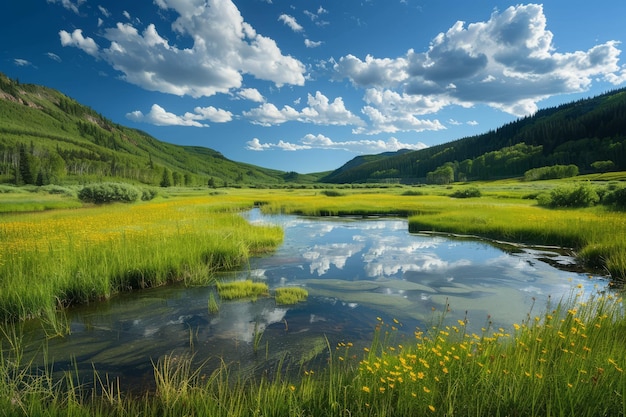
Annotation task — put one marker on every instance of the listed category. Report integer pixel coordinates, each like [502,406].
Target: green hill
[47,137]
[589,133]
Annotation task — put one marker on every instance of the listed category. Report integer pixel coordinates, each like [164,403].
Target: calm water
[355,271]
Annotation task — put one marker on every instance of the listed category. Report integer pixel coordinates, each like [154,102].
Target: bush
[148,194]
[332,193]
[470,192]
[108,192]
[551,172]
[6,189]
[616,197]
[413,193]
[581,196]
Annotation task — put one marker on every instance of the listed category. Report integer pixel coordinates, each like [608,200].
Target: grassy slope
[33,114]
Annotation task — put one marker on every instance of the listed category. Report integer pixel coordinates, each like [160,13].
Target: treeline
[29,164]
[582,133]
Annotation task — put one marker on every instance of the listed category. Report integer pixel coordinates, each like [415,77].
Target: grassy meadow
[568,359]
[61,257]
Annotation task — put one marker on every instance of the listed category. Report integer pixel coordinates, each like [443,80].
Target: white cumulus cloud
[312,44]
[77,40]
[319,141]
[291,22]
[251,94]
[268,114]
[224,47]
[160,117]
[319,110]
[508,62]
[256,145]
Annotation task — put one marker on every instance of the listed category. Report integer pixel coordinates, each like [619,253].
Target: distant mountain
[47,137]
[588,133]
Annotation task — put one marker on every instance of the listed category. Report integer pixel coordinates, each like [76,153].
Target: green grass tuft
[290,295]
[241,289]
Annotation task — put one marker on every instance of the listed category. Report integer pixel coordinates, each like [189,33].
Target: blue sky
[306,85]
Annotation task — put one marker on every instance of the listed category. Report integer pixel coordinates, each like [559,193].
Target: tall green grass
[597,235]
[53,259]
[567,360]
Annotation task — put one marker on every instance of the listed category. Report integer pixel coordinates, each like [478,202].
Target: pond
[358,271]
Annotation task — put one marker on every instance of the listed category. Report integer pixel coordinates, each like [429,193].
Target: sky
[308,85]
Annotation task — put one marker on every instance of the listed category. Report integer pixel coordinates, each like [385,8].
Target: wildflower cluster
[572,352]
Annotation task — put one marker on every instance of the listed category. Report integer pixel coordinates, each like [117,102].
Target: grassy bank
[569,360]
[597,235]
[62,257]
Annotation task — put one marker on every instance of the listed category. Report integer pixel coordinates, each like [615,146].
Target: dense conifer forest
[589,134]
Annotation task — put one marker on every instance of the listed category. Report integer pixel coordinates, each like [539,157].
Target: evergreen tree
[176,178]
[166,180]
[25,173]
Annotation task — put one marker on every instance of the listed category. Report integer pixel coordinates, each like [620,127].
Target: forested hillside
[589,134]
[47,137]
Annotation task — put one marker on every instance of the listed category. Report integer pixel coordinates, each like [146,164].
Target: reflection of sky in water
[354,270]
[423,272]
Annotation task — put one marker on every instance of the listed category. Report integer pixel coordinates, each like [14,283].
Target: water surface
[356,270]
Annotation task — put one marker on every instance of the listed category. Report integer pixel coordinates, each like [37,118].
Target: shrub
[6,189]
[470,192]
[552,172]
[148,194]
[616,197]
[332,193]
[57,189]
[581,196]
[108,192]
[412,193]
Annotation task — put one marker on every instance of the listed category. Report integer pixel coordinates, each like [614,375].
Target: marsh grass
[64,257]
[213,305]
[290,295]
[567,360]
[241,289]
[597,235]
